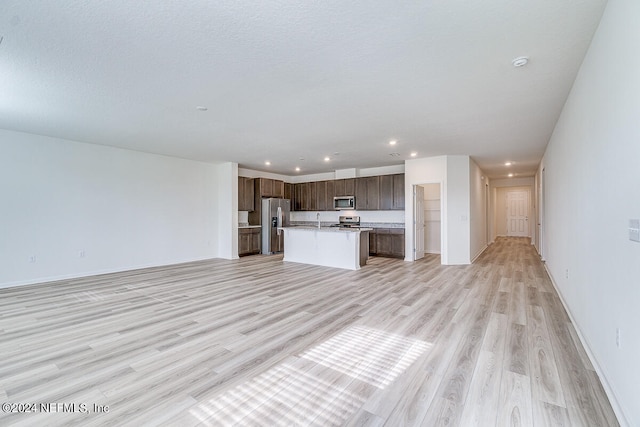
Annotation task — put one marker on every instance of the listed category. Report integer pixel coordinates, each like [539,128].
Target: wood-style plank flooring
[257,341]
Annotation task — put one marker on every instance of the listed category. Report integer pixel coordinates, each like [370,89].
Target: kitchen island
[327,246]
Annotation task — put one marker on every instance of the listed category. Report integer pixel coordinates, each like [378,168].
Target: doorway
[518,213]
[428,219]
[541,207]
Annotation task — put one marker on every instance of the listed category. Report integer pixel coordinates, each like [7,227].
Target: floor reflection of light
[310,390]
[371,355]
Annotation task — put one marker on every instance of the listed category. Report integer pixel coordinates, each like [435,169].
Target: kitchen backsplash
[243,217]
[331,217]
[365,216]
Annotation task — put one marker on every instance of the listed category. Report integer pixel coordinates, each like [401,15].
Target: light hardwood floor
[256,341]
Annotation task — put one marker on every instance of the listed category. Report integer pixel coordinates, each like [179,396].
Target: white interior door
[518,213]
[418,206]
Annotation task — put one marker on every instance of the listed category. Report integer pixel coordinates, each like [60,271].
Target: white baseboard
[622,419]
[479,253]
[93,273]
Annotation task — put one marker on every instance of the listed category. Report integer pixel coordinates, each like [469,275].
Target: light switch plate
[634,230]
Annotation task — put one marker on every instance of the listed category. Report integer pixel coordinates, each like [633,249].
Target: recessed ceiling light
[393,142]
[510,175]
[520,61]
[302,159]
[326,159]
[268,163]
[508,164]
[297,169]
[336,154]
[395,154]
[201,108]
[414,154]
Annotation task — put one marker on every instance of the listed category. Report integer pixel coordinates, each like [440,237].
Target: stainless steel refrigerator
[275,215]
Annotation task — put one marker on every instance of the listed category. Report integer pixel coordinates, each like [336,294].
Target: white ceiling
[285,80]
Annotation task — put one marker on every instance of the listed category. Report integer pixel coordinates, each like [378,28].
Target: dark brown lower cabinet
[387,242]
[397,242]
[373,247]
[249,241]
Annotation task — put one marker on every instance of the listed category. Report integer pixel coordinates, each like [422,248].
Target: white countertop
[327,229]
[249,226]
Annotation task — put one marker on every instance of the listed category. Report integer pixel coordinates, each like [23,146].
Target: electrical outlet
[618,337]
[566,273]
[81,253]
[32,259]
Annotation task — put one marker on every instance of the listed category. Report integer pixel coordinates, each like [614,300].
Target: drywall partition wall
[338,174]
[453,174]
[227,207]
[71,209]
[537,198]
[477,210]
[383,170]
[591,191]
[458,210]
[250,173]
[417,172]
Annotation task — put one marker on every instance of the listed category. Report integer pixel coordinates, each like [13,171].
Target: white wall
[457,192]
[340,173]
[227,210]
[592,186]
[382,170]
[123,209]
[462,188]
[477,210]
[250,173]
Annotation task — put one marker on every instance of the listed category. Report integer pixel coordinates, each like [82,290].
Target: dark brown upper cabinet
[278,189]
[288,193]
[338,188]
[392,192]
[386,192]
[245,194]
[373,193]
[361,194]
[304,191]
[344,187]
[271,187]
[321,196]
[312,200]
[398,191]
[331,191]
[266,187]
[349,187]
[298,189]
[368,193]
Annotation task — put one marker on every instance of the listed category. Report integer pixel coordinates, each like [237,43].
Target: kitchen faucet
[318,218]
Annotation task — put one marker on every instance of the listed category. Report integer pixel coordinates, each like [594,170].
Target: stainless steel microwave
[344,203]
